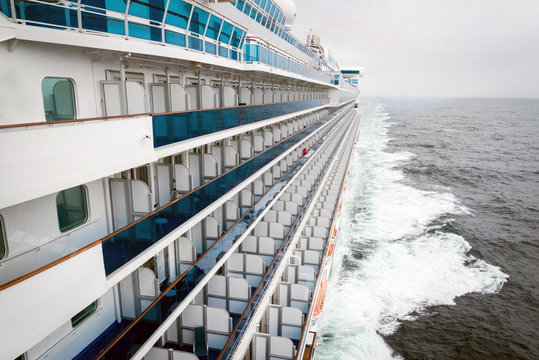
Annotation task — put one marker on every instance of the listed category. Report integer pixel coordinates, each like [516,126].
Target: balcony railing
[140,330]
[173,127]
[126,244]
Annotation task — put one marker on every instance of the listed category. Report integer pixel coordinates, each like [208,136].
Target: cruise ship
[172,179]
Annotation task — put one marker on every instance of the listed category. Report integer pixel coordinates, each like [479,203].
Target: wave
[395,257]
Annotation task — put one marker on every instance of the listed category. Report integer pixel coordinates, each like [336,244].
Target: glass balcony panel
[143,31]
[240,4]
[147,9]
[246,9]
[96,22]
[223,51]
[210,47]
[195,43]
[48,14]
[178,13]
[226,31]
[253,13]
[172,37]
[5,8]
[171,128]
[177,291]
[236,37]
[124,246]
[213,27]
[199,18]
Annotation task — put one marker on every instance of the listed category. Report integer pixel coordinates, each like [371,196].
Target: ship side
[172,178]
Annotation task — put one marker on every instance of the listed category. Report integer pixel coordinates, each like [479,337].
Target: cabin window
[84,314]
[71,208]
[2,240]
[58,98]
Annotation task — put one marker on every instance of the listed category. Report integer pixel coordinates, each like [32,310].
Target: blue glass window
[247,9]
[46,14]
[58,99]
[178,13]
[259,17]
[84,314]
[5,7]
[195,43]
[106,4]
[147,9]
[264,21]
[236,37]
[253,14]
[213,27]
[226,31]
[272,10]
[71,206]
[257,2]
[223,51]
[174,38]
[268,5]
[210,47]
[262,4]
[240,5]
[198,21]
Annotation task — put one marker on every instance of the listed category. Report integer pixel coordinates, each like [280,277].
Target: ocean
[438,253]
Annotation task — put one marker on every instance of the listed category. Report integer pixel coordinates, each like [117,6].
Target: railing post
[79,16]
[13,11]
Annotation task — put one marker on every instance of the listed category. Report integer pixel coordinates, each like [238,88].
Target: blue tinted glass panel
[101,23]
[223,51]
[177,291]
[171,128]
[226,31]
[264,21]
[195,43]
[262,4]
[272,10]
[251,52]
[213,27]
[48,14]
[210,47]
[268,5]
[257,2]
[178,13]
[148,9]
[240,4]
[174,38]
[233,54]
[236,37]
[144,31]
[5,7]
[253,14]
[247,9]
[198,20]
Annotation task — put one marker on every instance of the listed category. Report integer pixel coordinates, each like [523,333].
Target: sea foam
[392,260]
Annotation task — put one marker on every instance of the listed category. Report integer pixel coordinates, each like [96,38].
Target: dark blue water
[439,255]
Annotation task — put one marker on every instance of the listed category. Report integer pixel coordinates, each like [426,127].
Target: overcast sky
[461,48]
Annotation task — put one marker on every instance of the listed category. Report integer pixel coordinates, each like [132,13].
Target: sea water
[427,247]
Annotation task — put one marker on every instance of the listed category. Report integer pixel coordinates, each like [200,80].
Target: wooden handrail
[97,242]
[10,126]
[41,123]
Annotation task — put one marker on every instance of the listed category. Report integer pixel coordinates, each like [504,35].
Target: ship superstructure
[172,174]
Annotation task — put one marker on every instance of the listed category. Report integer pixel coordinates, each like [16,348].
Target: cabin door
[129,203]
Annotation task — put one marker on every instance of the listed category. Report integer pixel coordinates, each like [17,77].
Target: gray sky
[461,48]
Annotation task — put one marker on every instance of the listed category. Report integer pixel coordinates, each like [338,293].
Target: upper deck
[215,31]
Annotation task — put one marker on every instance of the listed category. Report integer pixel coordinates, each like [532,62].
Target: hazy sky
[480,48]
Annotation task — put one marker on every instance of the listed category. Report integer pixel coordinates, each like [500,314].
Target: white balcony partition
[34,308]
